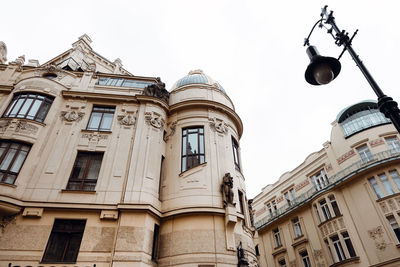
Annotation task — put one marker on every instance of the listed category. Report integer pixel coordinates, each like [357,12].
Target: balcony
[334,180]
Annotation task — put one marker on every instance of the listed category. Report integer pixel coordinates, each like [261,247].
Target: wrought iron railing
[334,180]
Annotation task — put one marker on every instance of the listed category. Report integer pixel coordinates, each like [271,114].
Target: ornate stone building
[99,167]
[341,206]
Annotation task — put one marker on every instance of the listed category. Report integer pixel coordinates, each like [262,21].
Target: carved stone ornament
[172,130]
[376,232]
[4,125]
[377,235]
[6,220]
[226,189]
[218,125]
[19,61]
[154,119]
[3,53]
[27,127]
[127,119]
[157,90]
[72,115]
[94,137]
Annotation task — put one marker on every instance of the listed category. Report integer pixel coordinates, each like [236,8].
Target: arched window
[30,106]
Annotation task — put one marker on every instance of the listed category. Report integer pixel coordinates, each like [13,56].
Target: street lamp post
[322,70]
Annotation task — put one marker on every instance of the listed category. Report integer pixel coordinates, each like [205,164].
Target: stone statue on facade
[242,261]
[3,53]
[157,90]
[227,190]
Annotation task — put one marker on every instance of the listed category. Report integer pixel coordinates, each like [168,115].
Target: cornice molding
[190,104]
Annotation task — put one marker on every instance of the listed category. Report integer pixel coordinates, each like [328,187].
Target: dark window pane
[12,157]
[192,147]
[85,172]
[101,119]
[29,106]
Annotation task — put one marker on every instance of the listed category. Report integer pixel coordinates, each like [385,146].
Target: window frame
[298,232]
[67,235]
[4,156]
[325,209]
[376,187]
[102,110]
[236,158]
[201,157]
[46,102]
[392,224]
[365,153]
[334,206]
[393,143]
[90,157]
[277,237]
[305,258]
[320,180]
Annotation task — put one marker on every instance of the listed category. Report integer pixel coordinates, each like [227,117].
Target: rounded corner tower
[202,191]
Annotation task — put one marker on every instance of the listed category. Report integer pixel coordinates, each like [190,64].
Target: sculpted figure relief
[157,90]
[226,188]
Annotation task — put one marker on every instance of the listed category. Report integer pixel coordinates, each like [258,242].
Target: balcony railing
[334,180]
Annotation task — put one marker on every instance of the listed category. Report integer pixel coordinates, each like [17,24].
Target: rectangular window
[257,250]
[86,171]
[101,119]
[156,238]
[29,106]
[395,226]
[12,156]
[290,197]
[365,153]
[317,213]
[297,227]
[338,248]
[320,180]
[394,144]
[386,184]
[329,249]
[334,205]
[269,209]
[235,147]
[325,209]
[349,245]
[241,205]
[64,242]
[375,186]
[192,147]
[277,237]
[305,259]
[274,208]
[396,178]
[161,175]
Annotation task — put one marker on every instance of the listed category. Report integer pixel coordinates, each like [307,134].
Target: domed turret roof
[197,77]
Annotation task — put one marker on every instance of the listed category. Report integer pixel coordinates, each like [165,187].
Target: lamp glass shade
[323,74]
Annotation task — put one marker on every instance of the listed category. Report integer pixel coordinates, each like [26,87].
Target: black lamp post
[323,70]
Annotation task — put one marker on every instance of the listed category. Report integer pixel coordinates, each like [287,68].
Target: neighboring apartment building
[341,206]
[99,167]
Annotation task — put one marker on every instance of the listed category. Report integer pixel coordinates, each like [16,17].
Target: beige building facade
[341,206]
[100,167]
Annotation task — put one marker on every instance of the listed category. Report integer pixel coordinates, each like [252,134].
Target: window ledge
[77,191]
[329,220]
[279,250]
[93,131]
[398,245]
[23,119]
[7,184]
[387,197]
[353,259]
[301,239]
[194,169]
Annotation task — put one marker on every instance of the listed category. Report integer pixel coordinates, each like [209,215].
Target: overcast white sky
[253,48]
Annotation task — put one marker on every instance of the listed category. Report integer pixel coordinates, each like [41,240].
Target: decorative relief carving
[226,189]
[292,263]
[23,126]
[157,90]
[301,185]
[72,115]
[19,62]
[392,204]
[346,156]
[328,167]
[127,119]
[154,119]
[341,222]
[377,235]
[376,142]
[384,207]
[319,258]
[4,125]
[218,125]
[6,220]
[94,137]
[172,127]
